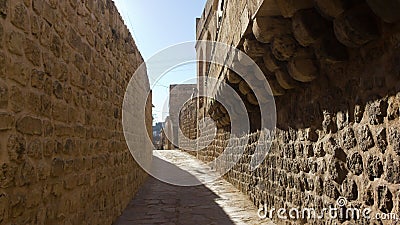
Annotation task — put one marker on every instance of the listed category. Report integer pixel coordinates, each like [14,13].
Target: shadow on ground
[161,203]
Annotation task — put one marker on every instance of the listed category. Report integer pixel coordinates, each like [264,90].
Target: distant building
[157,135]
[179,94]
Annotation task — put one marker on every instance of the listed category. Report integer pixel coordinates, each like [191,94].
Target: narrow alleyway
[217,202]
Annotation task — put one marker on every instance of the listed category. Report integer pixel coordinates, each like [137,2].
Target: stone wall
[337,136]
[64,66]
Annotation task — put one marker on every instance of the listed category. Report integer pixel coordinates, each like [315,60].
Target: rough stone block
[381,139]
[330,189]
[350,189]
[377,111]
[60,111]
[35,149]
[18,72]
[337,171]
[56,45]
[37,79]
[26,174]
[33,52]
[394,139]
[15,42]
[4,4]
[374,167]
[58,90]
[392,169]
[364,138]
[1,35]
[348,138]
[355,163]
[20,17]
[3,95]
[6,121]
[16,99]
[384,199]
[29,125]
[57,167]
[16,147]
[358,113]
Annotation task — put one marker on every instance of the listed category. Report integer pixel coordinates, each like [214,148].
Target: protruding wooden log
[331,9]
[269,8]
[388,10]
[232,77]
[270,62]
[265,28]
[283,47]
[356,27]
[308,26]
[254,48]
[244,87]
[252,98]
[303,69]
[289,7]
[285,80]
[331,50]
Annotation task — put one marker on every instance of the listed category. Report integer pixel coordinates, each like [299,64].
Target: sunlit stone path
[217,202]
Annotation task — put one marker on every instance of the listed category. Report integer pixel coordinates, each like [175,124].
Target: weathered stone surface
[4,8]
[355,163]
[392,170]
[350,189]
[337,171]
[364,138]
[32,52]
[29,125]
[381,139]
[54,107]
[283,47]
[6,121]
[330,189]
[394,139]
[374,167]
[348,138]
[384,199]
[20,17]
[15,42]
[377,112]
[3,95]
[16,147]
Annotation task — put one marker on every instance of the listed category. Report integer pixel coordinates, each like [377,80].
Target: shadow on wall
[362,84]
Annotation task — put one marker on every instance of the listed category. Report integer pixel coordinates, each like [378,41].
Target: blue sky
[156,25]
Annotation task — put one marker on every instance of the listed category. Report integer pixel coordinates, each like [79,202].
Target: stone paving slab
[217,202]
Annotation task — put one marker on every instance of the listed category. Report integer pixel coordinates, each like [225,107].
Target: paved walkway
[217,202]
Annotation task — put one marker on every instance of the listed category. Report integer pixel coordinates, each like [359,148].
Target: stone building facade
[179,94]
[64,67]
[334,73]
